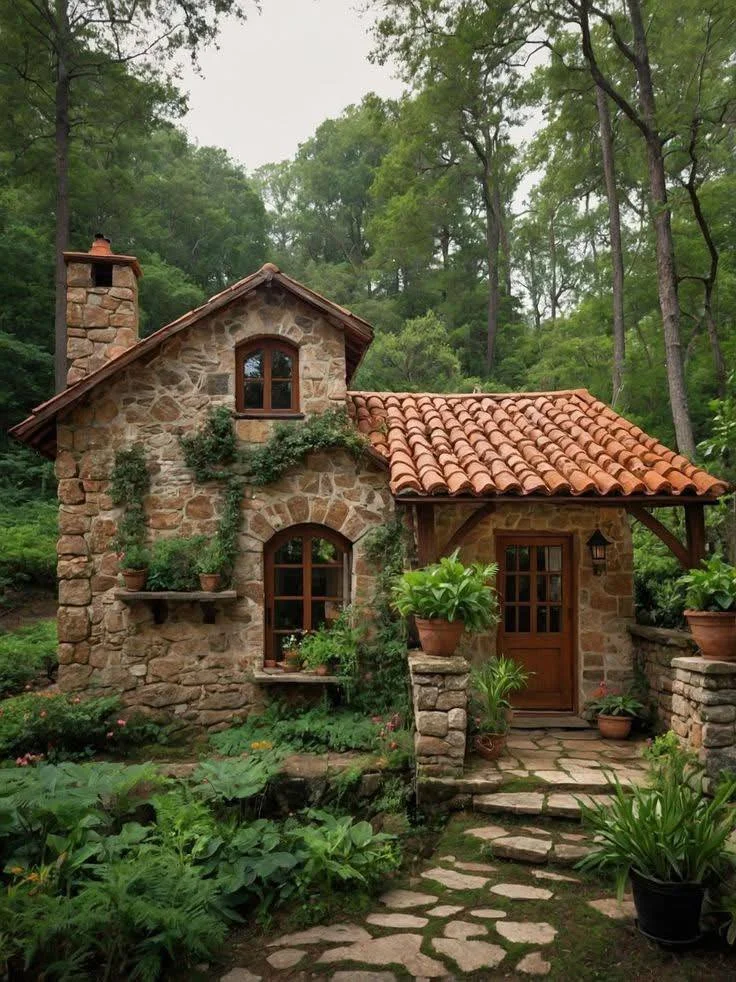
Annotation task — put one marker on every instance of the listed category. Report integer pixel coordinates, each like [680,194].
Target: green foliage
[317,729]
[27,654]
[492,683]
[213,558]
[450,591]
[61,726]
[129,484]
[174,563]
[28,553]
[235,779]
[211,449]
[658,597]
[291,442]
[320,647]
[135,556]
[615,705]
[711,587]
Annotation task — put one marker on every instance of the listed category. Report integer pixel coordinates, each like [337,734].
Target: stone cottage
[536,481]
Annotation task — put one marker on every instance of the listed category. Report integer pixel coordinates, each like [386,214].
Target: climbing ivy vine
[129,484]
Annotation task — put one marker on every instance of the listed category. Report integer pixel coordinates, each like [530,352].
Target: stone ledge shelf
[270,676]
[159,601]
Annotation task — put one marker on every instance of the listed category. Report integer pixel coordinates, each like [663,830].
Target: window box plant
[710,604]
[446,599]
[292,654]
[671,841]
[614,713]
[317,651]
[134,562]
[492,683]
[210,567]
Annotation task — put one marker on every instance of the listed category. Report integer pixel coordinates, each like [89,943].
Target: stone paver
[520,891]
[396,949]
[522,847]
[400,921]
[475,867]
[487,832]
[286,958]
[617,910]
[572,837]
[565,853]
[454,880]
[332,933]
[460,930]
[521,803]
[527,932]
[488,913]
[401,899]
[533,964]
[363,977]
[443,910]
[240,975]
[470,956]
[543,874]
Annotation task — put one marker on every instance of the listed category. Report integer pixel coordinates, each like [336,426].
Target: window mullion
[267,351]
[307,582]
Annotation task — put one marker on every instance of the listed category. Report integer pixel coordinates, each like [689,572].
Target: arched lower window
[267,377]
[305,566]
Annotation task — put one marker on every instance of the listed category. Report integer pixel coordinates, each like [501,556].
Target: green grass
[28,534]
[27,656]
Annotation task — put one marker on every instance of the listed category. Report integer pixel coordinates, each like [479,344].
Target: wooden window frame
[310,531]
[267,345]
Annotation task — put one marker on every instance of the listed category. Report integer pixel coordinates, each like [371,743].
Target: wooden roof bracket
[687,554]
[472,521]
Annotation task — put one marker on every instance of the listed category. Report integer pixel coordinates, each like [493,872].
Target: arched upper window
[305,567]
[267,377]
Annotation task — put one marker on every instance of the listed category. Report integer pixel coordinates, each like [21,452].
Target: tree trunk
[61,238]
[493,239]
[666,272]
[617,256]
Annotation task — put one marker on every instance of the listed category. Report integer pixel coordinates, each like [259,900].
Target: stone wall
[704,710]
[197,671]
[605,603]
[440,697]
[655,649]
[101,321]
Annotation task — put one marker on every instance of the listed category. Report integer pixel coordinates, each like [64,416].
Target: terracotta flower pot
[210,582]
[490,745]
[134,579]
[292,661]
[714,632]
[438,637]
[614,727]
[322,670]
[269,663]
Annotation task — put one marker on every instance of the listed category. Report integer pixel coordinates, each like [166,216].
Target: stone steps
[555,804]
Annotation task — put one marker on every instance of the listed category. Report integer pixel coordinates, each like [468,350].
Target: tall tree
[54,45]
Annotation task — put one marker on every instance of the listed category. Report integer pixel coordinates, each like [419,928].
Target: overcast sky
[275,78]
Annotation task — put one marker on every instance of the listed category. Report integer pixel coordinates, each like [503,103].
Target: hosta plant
[615,705]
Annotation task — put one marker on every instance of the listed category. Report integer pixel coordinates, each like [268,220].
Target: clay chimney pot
[100,246]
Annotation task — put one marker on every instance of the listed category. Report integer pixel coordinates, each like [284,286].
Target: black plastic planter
[668,913]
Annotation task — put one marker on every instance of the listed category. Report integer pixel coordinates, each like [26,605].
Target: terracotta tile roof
[527,443]
[39,429]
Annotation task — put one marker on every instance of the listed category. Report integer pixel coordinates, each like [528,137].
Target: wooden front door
[537,616]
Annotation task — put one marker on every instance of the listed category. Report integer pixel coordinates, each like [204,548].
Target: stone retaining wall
[440,696]
[655,649]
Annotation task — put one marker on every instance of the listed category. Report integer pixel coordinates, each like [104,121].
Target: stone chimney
[101,307]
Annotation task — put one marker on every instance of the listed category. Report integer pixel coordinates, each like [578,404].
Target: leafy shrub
[235,780]
[26,654]
[449,590]
[174,563]
[658,598]
[316,729]
[62,726]
[28,555]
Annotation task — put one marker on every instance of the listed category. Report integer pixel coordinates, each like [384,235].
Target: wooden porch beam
[695,529]
[426,533]
[472,521]
[678,550]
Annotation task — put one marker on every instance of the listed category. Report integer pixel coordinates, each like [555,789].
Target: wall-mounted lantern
[598,544]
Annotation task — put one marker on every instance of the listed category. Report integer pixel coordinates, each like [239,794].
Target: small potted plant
[492,683]
[317,651]
[446,599]
[671,841]
[210,566]
[710,604]
[614,713]
[292,654]
[134,562]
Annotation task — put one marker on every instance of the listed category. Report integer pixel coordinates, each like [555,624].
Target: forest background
[599,253]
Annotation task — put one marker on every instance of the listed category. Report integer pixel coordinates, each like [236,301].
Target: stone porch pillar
[440,697]
[704,710]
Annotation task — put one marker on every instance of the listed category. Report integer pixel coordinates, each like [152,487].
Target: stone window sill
[270,676]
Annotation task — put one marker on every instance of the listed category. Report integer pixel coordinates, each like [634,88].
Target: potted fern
[210,566]
[134,562]
[492,683]
[446,599]
[711,608]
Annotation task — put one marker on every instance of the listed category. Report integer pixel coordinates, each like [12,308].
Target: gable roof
[526,444]
[39,429]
